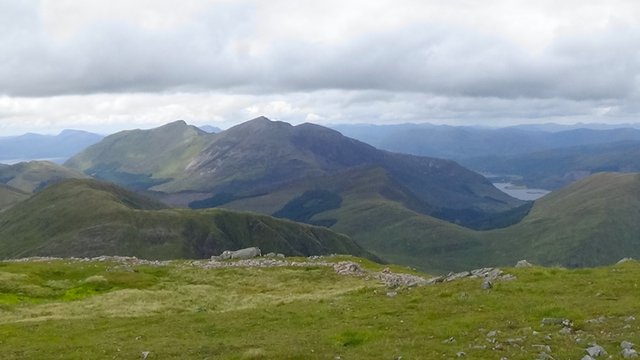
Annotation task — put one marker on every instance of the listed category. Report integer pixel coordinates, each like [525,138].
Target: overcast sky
[119,64]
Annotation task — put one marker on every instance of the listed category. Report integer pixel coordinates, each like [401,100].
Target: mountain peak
[260,119]
[259,124]
[177,123]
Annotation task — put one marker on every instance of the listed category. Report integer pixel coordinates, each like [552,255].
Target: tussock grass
[184,312]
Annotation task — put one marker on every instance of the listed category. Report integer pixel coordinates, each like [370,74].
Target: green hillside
[89,218]
[33,176]
[10,196]
[140,159]
[588,223]
[129,309]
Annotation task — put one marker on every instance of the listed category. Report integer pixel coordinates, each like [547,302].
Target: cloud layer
[346,61]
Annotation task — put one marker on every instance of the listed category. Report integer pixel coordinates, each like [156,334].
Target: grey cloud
[454,63]
[207,54]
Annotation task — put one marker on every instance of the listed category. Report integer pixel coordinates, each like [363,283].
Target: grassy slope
[160,153]
[88,218]
[591,222]
[34,175]
[102,310]
[10,196]
[376,214]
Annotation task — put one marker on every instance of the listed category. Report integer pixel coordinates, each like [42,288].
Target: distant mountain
[551,127]
[54,147]
[262,157]
[90,218]
[32,176]
[463,142]
[553,169]
[210,129]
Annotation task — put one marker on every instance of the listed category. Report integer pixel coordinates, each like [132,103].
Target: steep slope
[553,169]
[10,196]
[89,218]
[33,176]
[140,159]
[37,146]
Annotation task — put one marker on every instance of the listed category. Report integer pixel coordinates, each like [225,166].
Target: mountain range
[554,169]
[464,142]
[263,161]
[420,211]
[51,147]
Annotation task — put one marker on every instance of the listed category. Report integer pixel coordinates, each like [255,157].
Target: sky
[105,66]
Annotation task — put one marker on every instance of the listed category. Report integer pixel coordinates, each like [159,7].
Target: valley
[428,213]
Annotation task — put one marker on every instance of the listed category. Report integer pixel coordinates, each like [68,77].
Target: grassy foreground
[64,309]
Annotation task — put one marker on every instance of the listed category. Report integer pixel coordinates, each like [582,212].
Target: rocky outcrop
[523,264]
[247,253]
[488,274]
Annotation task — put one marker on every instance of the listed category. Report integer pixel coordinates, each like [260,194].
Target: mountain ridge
[89,218]
[260,156]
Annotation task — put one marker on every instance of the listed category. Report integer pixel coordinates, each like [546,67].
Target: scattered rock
[348,268]
[400,280]
[566,331]
[626,345]
[450,340]
[392,293]
[544,356]
[629,353]
[515,341]
[599,320]
[457,276]
[553,321]
[492,333]
[145,354]
[596,350]
[247,253]
[630,318]
[492,274]
[542,348]
[624,260]
[486,284]
[523,264]
[587,357]
[461,354]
